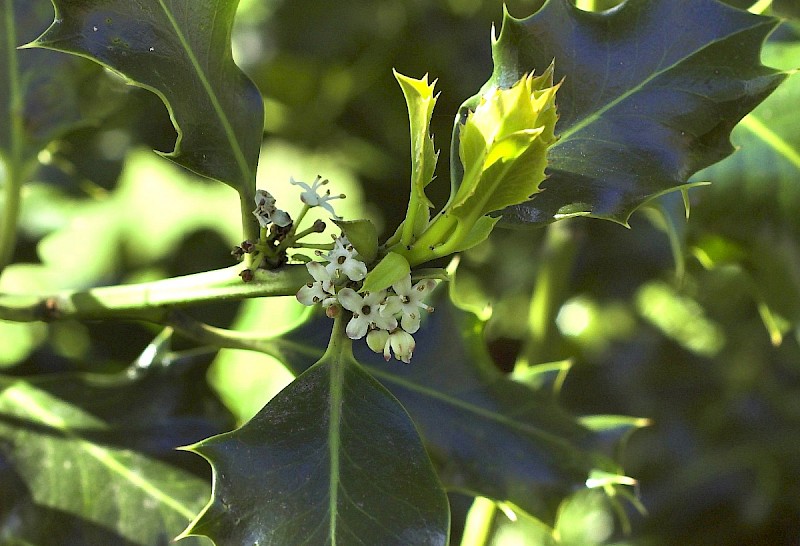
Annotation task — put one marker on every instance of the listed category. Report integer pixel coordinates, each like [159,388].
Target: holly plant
[335,375]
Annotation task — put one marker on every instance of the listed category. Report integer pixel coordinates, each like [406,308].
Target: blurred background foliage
[691,324]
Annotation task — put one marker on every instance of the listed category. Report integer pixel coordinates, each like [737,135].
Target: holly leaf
[538,452]
[77,470]
[182,52]
[332,459]
[650,94]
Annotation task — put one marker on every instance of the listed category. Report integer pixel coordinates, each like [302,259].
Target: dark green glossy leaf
[332,459]
[488,435]
[182,52]
[90,459]
[651,91]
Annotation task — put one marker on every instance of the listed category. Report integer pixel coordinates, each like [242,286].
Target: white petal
[263,218]
[403,287]
[403,345]
[350,300]
[410,322]
[422,288]
[281,218]
[318,271]
[303,185]
[357,327]
[391,306]
[354,269]
[385,323]
[311,295]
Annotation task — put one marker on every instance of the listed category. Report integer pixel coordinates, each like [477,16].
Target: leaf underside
[651,92]
[332,459]
[182,52]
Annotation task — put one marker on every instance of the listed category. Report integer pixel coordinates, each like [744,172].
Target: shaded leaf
[92,458]
[182,52]
[332,459]
[748,215]
[651,92]
[786,8]
[488,435]
[42,95]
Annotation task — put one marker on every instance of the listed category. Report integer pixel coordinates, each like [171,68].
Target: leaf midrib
[230,135]
[455,402]
[15,93]
[472,408]
[336,380]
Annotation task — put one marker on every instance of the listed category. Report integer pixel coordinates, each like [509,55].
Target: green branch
[12,182]
[151,301]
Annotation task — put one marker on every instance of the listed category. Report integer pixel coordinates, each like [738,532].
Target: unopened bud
[319,226]
[247,275]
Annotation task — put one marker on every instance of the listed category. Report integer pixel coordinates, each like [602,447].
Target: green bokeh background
[697,332]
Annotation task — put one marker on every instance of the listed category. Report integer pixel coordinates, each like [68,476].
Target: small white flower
[313,199]
[399,341]
[366,311]
[342,260]
[267,213]
[320,291]
[409,301]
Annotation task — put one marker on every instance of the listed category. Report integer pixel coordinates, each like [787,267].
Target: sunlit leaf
[391,269]
[332,459]
[420,101]
[182,52]
[651,92]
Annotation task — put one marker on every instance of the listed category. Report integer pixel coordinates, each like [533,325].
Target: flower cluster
[386,317]
[279,231]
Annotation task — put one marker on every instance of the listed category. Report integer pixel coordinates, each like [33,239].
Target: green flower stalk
[503,149]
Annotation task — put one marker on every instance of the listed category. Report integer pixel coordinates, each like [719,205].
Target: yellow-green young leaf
[363,235]
[420,101]
[392,268]
[479,233]
[504,144]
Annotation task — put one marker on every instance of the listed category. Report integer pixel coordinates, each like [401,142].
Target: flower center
[366,310]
